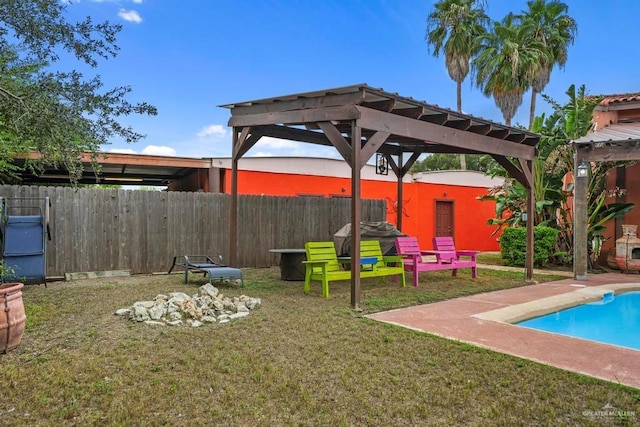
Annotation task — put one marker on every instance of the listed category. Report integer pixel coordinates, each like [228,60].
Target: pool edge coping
[527,310]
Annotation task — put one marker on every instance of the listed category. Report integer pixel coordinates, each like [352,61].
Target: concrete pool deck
[482,320]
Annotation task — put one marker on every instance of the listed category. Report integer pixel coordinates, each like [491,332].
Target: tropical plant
[507,62]
[566,123]
[57,114]
[549,24]
[454,27]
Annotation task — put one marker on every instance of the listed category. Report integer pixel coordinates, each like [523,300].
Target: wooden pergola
[600,146]
[399,128]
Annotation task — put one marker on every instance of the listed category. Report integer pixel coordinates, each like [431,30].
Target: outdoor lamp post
[580,243]
[582,170]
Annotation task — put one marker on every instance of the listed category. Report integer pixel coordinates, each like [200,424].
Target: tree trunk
[463,159]
[532,109]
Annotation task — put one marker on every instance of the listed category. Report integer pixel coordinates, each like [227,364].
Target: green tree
[442,161]
[550,25]
[57,114]
[507,62]
[453,28]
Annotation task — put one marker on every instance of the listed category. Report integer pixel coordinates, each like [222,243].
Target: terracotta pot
[12,316]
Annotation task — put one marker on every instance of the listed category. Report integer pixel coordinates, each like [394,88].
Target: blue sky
[186,57]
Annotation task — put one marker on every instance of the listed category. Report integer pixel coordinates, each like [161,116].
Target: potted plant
[12,314]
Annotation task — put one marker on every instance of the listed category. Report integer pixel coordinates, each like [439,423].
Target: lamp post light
[580,236]
[382,165]
[582,170]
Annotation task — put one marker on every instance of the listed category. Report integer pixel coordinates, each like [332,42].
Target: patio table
[291,267]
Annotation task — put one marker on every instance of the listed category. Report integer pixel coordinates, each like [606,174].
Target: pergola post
[531,211]
[233,214]
[580,239]
[399,195]
[356,213]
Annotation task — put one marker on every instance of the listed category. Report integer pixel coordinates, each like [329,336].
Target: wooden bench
[446,256]
[324,265]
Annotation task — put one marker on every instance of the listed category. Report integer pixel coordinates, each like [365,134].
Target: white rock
[175,323]
[145,304]
[176,297]
[253,303]
[157,311]
[175,315]
[179,308]
[238,315]
[210,290]
[139,313]
[153,322]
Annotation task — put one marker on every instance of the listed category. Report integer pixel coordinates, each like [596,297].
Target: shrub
[513,245]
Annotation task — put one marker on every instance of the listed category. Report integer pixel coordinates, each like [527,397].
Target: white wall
[339,168]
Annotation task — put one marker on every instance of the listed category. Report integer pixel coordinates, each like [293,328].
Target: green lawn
[298,360]
[491,258]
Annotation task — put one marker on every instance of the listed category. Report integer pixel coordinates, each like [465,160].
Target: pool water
[613,320]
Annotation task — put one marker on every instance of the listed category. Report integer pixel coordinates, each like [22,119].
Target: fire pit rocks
[178,308]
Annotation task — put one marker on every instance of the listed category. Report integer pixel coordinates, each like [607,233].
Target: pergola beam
[294,134]
[304,103]
[341,113]
[372,145]
[338,141]
[411,128]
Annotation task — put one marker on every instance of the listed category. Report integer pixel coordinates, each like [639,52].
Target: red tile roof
[623,97]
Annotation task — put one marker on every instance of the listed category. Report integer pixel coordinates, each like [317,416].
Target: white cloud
[268,142]
[159,150]
[214,131]
[122,151]
[262,154]
[130,16]
[137,1]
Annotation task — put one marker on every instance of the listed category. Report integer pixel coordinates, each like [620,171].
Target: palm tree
[453,27]
[506,64]
[550,25]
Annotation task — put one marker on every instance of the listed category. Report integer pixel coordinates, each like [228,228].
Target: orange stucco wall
[470,215]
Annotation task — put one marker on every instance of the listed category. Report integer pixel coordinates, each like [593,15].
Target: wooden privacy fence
[95,229]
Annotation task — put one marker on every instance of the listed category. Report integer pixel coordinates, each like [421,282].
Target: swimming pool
[613,320]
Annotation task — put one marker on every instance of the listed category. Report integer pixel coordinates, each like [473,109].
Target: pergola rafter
[398,127]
